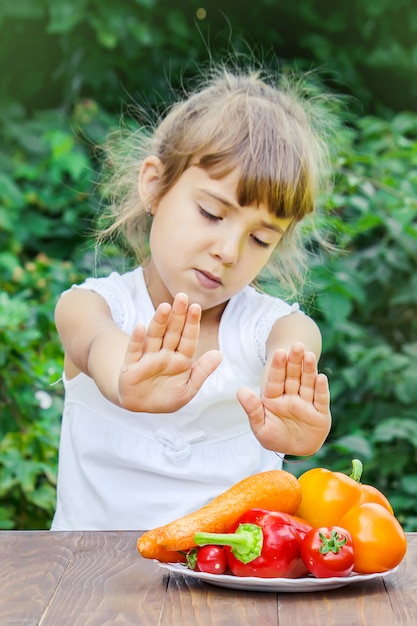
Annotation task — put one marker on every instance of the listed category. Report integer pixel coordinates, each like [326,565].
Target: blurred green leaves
[66,67]
[110,50]
[365,302]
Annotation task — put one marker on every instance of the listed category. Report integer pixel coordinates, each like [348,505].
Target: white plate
[273,584]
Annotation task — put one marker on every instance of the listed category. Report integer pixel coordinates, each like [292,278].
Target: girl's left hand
[293,415]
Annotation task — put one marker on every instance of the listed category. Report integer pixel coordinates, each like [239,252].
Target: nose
[227,248]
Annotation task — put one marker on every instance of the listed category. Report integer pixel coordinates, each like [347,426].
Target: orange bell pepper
[327,496]
[335,499]
[379,541]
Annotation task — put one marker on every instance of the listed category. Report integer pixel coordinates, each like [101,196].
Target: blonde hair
[275,136]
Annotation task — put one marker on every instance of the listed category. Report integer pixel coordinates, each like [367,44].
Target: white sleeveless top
[124,470]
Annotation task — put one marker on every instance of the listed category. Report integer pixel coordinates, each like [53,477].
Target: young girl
[180,377]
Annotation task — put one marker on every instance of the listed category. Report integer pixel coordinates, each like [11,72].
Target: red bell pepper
[262,543]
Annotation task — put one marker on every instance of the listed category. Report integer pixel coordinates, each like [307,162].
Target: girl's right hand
[159,374]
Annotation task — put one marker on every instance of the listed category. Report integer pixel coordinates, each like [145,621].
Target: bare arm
[293,413]
[92,341]
[152,370]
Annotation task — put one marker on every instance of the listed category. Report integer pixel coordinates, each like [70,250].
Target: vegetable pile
[275,490]
[271,525]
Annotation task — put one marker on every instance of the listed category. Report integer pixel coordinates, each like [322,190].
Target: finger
[187,344]
[176,322]
[135,346]
[275,382]
[322,394]
[308,377]
[294,369]
[157,327]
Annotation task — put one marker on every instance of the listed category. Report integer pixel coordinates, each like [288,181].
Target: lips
[208,280]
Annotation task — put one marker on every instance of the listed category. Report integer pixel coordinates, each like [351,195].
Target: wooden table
[98,578]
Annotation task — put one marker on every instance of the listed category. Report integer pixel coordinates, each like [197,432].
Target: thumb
[254,408]
[202,369]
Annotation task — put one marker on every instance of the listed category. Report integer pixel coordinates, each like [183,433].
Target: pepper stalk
[246,543]
[357,469]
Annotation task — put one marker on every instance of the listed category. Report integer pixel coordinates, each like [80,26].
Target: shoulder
[123,282]
[295,328]
[120,292]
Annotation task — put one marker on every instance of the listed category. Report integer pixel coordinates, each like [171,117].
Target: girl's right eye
[207,215]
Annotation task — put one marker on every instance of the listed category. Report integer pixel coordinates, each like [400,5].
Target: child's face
[205,244]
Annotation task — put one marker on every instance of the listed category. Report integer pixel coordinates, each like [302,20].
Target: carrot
[275,490]
[149,549]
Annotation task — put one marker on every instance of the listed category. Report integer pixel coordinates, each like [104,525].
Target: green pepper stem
[357,469]
[246,543]
[191,558]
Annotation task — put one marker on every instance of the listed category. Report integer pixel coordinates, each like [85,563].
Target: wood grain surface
[98,578]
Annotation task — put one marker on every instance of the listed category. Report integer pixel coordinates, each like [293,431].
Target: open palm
[159,374]
[293,414]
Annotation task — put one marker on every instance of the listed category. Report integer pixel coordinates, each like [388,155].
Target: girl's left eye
[209,216]
[259,242]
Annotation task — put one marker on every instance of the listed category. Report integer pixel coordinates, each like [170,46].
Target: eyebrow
[277,229]
[229,204]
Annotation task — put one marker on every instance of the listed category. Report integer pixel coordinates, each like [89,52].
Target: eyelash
[209,216]
[260,243]
[216,218]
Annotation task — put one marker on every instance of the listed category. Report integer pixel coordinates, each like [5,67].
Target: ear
[149,178]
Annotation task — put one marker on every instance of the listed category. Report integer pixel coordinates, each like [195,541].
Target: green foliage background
[70,68]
